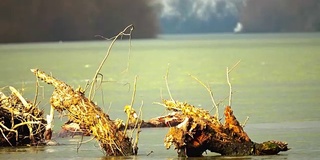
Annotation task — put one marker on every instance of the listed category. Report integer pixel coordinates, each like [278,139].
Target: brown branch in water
[82,110]
[199,131]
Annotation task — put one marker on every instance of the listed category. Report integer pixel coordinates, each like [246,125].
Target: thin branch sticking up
[230,87]
[211,95]
[166,79]
[138,126]
[129,52]
[24,102]
[245,122]
[132,101]
[122,33]
[138,121]
[228,81]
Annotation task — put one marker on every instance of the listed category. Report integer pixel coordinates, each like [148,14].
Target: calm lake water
[276,84]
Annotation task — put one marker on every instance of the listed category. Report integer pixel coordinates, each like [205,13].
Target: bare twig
[228,81]
[83,142]
[139,121]
[36,94]
[245,122]
[5,137]
[110,104]
[25,123]
[234,66]
[166,79]
[129,52]
[134,90]
[132,101]
[24,102]
[135,143]
[211,95]
[11,130]
[230,87]
[122,33]
[149,153]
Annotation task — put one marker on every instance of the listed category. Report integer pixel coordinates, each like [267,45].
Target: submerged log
[82,110]
[200,132]
[72,129]
[21,123]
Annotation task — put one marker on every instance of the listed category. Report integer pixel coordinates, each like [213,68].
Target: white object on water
[49,122]
[238,28]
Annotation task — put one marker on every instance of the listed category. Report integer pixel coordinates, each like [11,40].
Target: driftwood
[200,131]
[71,129]
[82,110]
[21,122]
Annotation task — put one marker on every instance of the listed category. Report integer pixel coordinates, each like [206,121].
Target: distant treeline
[280,15]
[66,20]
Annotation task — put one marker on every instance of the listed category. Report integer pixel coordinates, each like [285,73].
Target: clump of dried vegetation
[21,121]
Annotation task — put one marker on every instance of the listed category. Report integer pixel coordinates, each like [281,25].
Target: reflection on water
[12,150]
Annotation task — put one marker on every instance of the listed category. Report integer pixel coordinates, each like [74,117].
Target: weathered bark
[21,123]
[81,110]
[200,132]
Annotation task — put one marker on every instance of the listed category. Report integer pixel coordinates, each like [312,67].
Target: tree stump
[200,132]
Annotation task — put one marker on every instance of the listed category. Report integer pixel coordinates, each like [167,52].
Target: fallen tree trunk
[21,122]
[200,132]
[82,110]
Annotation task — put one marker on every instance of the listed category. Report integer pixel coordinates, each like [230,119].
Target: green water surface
[276,84]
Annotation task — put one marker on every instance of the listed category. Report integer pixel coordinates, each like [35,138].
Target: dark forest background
[69,20]
[280,16]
